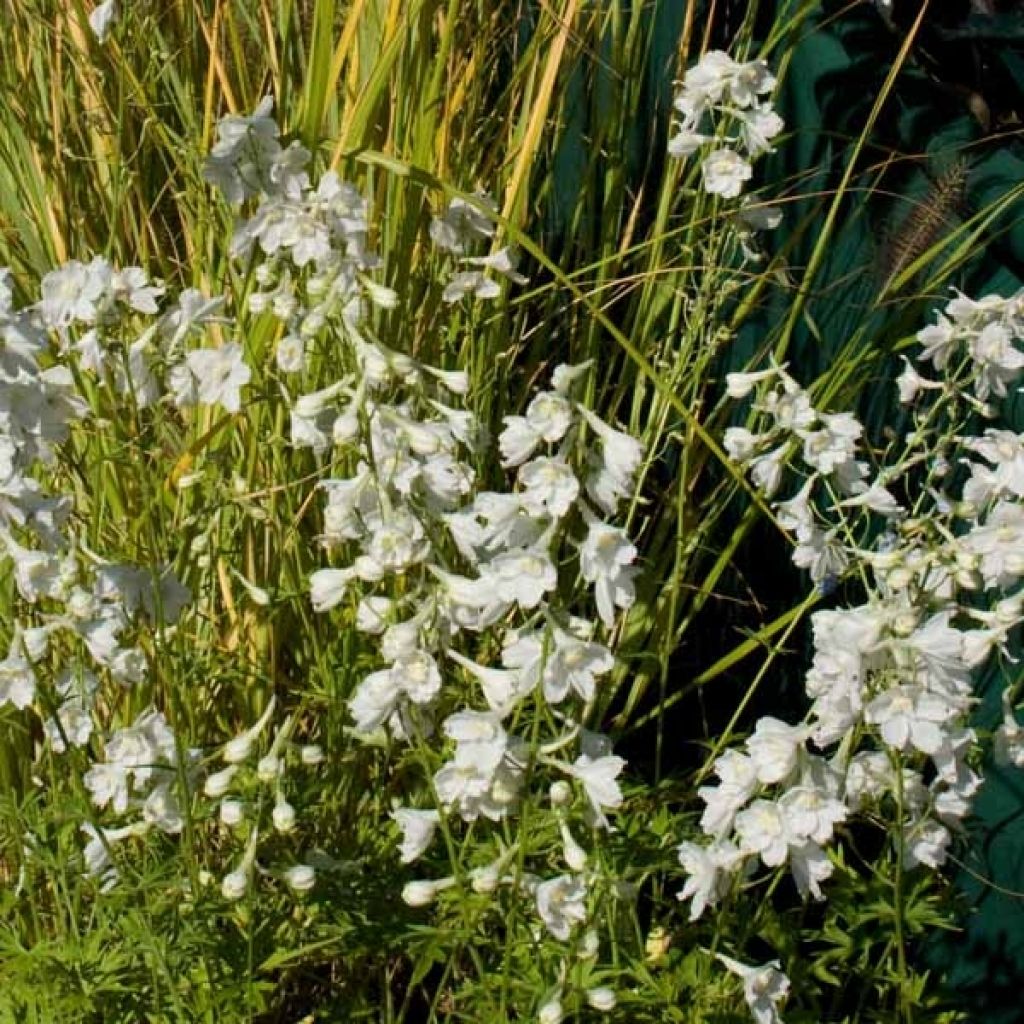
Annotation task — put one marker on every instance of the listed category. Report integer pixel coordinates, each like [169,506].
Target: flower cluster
[457,231]
[479,601]
[983,332]
[85,617]
[890,684]
[239,787]
[721,113]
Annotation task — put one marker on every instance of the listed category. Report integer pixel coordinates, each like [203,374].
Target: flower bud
[590,945]
[602,999]
[300,877]
[486,878]
[234,885]
[268,767]
[283,816]
[311,754]
[419,893]
[574,854]
[560,794]
[232,812]
[217,785]
[238,749]
[551,1012]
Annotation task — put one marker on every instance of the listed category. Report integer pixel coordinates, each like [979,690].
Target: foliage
[374,473]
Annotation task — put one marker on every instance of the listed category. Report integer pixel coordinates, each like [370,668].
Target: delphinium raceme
[888,736]
[478,599]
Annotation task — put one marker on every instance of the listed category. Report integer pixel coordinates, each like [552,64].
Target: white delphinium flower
[561,904]
[74,292]
[231,812]
[397,542]
[686,142]
[599,776]
[613,473]
[374,700]
[522,576]
[741,445]
[573,854]
[97,850]
[925,842]
[373,613]
[311,754]
[518,440]
[1004,449]
[910,382]
[103,18]
[161,809]
[551,1010]
[710,869]
[502,261]
[999,542]
[739,385]
[549,487]
[811,813]
[463,223]
[417,674]
[189,316]
[469,603]
[939,341]
[737,776]
[220,375]
[247,158]
[549,414]
[764,988]
[809,866]
[606,561]
[327,587]
[283,815]
[757,128]
[789,406]
[470,282]
[132,287]
[766,469]
[418,827]
[17,678]
[502,688]
[725,172]
[911,717]
[997,362]
[217,784]
[833,443]
[775,747]
[108,784]
[486,771]
[567,664]
[73,721]
[763,829]
[290,353]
